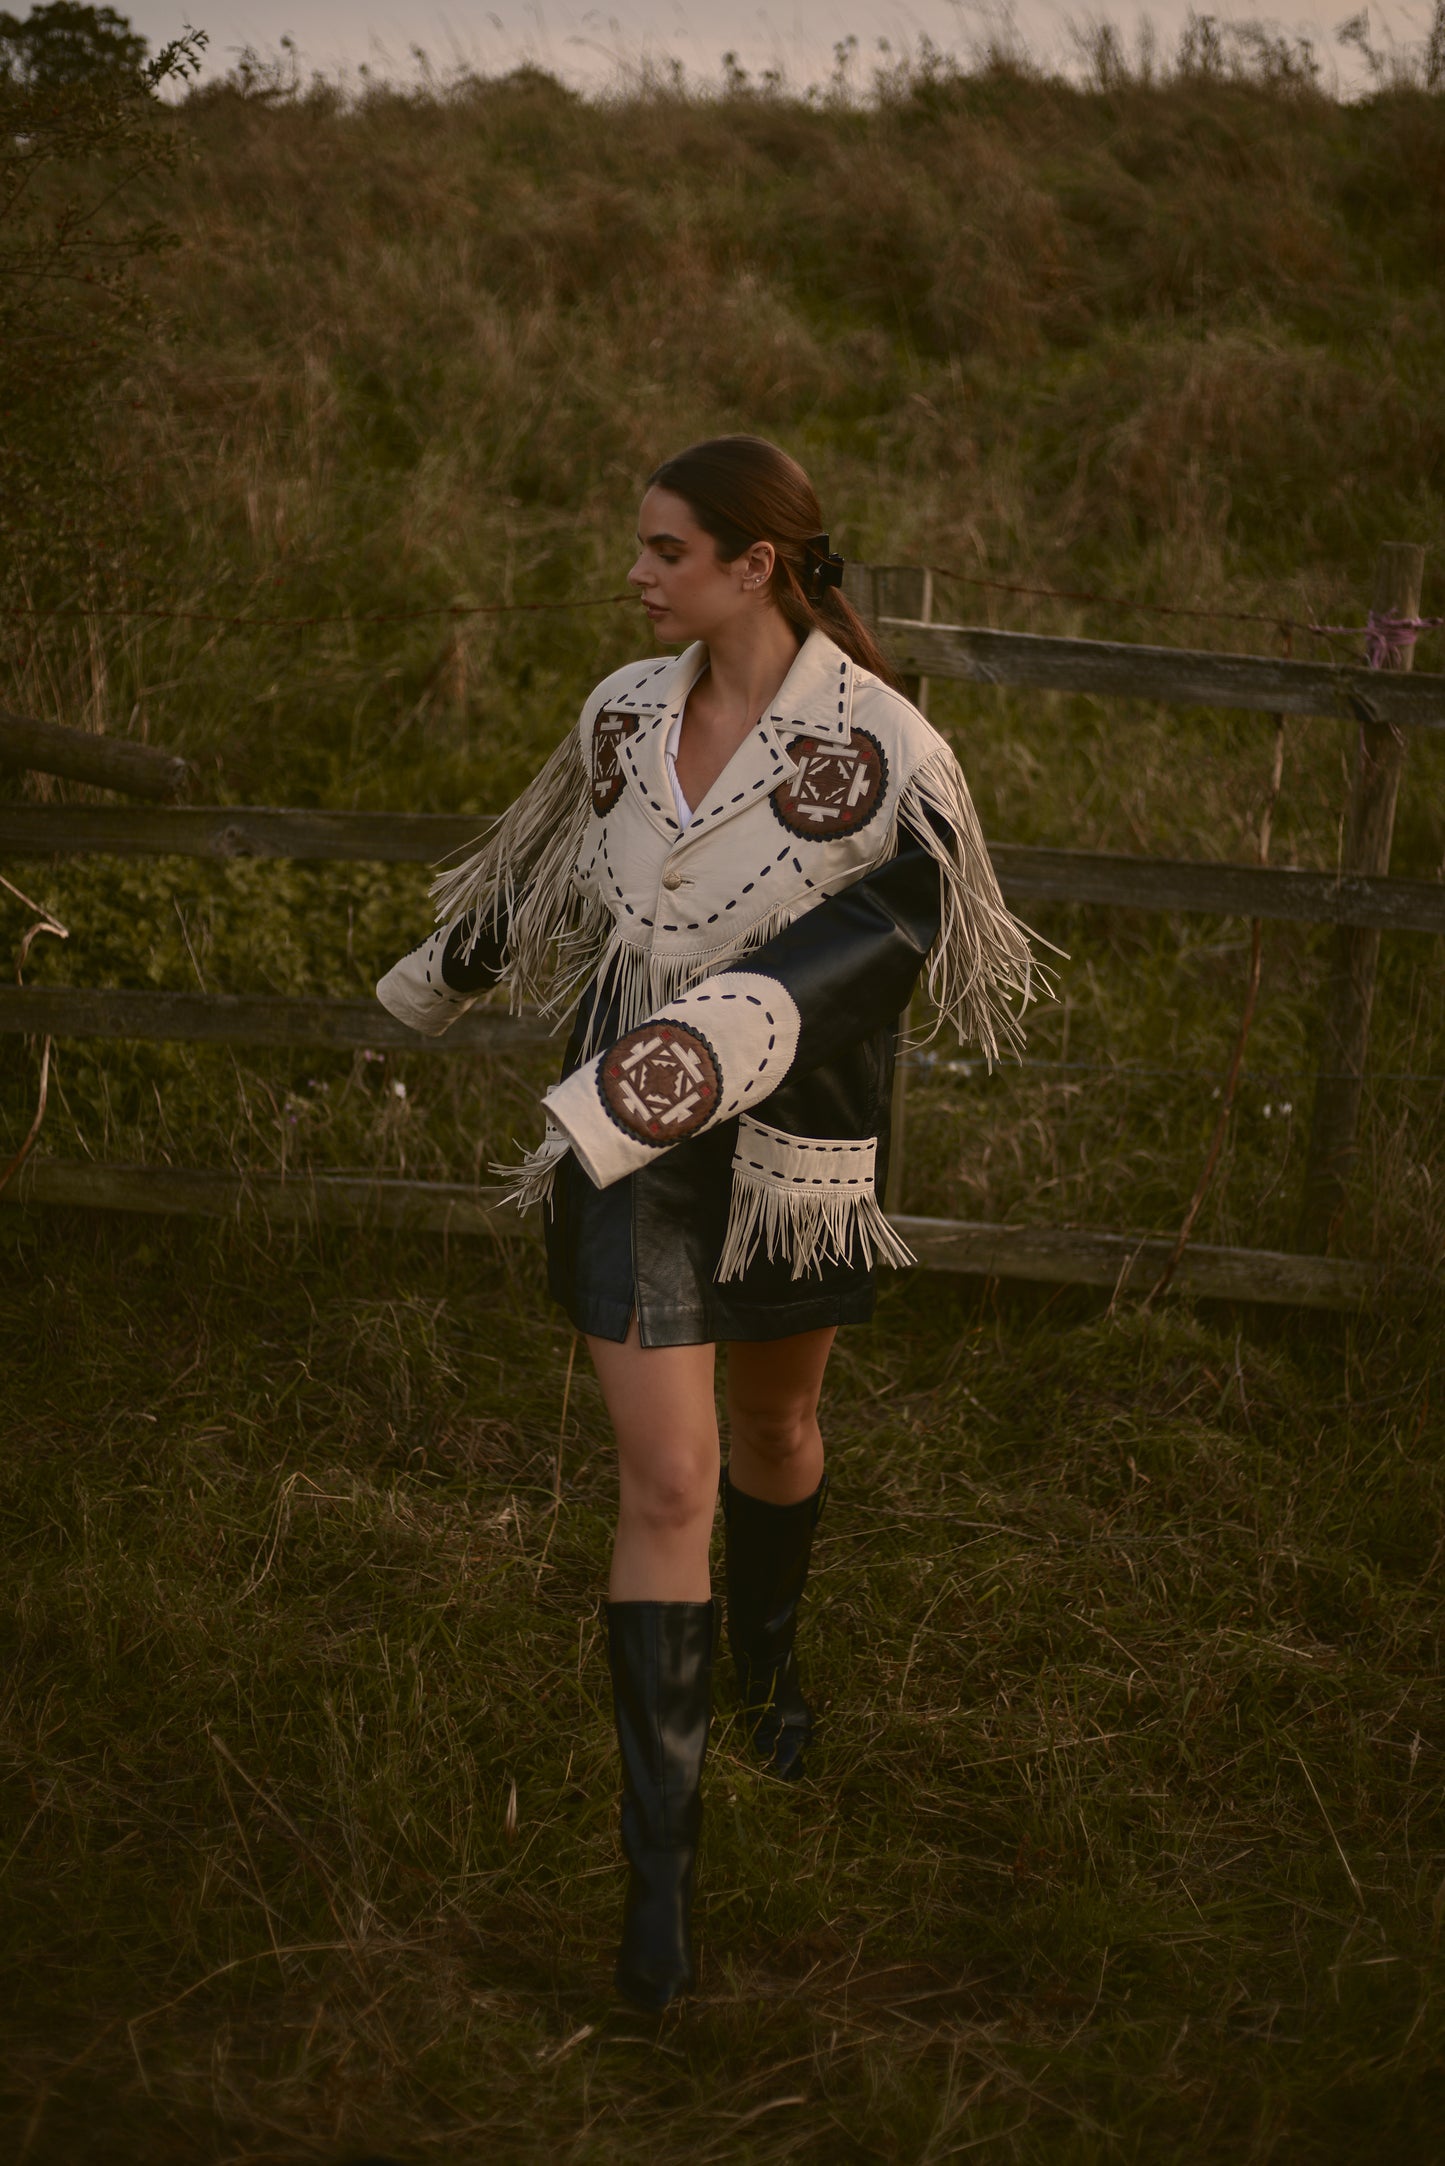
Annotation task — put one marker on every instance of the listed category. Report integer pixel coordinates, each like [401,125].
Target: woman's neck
[747,663]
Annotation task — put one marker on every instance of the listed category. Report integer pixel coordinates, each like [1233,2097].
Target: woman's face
[686,592]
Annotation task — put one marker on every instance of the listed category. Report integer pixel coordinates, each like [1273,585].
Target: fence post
[1379,761]
[905,590]
[895,590]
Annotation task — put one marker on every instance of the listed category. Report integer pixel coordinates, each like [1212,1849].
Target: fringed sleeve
[980,973]
[521,882]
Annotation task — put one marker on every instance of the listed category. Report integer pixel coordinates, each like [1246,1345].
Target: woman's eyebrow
[653,541]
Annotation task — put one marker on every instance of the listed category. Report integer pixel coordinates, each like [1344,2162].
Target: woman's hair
[741,490]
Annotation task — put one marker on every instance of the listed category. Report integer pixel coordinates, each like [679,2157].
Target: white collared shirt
[680,803]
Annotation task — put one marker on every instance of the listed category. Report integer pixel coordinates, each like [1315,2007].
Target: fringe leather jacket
[747,970]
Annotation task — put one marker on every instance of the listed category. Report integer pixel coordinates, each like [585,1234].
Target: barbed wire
[395,616]
[1285,626]
[246,621]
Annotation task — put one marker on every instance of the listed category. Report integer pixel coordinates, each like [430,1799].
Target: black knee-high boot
[769,1547]
[660,1655]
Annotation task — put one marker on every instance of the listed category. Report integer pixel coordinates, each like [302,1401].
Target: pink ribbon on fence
[1387,637]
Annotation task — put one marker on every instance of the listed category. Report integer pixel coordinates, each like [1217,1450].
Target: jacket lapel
[656,699]
[815,699]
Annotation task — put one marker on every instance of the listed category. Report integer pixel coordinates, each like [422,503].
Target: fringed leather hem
[635,982]
[533,1181]
[807,1200]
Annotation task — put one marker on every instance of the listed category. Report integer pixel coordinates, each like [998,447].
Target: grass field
[1125,1839]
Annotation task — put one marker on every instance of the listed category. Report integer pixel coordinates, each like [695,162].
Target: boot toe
[781,1744]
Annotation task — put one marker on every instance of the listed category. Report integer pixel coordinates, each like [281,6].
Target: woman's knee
[777,1433]
[669,1487]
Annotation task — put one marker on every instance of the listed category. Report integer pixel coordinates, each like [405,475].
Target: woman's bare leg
[660,1399]
[772,1391]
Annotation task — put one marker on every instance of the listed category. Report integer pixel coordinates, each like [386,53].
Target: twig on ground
[1334,1838]
[44,924]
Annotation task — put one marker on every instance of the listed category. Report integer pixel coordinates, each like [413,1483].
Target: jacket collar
[815,698]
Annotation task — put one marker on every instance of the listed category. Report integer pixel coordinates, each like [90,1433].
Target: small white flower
[1267,1111]
[1285,1106]
[398,1090]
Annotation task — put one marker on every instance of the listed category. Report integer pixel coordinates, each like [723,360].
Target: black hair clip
[821,569]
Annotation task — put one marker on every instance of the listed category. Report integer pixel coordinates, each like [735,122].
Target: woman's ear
[758,566]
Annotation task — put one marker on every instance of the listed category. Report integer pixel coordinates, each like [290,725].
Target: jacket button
[672,877]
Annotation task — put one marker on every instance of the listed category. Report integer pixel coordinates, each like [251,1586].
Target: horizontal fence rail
[1048,1254]
[262,831]
[1253,891]
[1179,676]
[64,1011]
[111,763]
[1024,870]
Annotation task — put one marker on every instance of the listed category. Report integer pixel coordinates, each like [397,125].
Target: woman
[744,855]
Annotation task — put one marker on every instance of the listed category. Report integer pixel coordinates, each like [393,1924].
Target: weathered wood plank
[444,1207]
[1180,676]
[65,1011]
[1068,1258]
[1054,1256]
[113,763]
[380,838]
[40,831]
[1255,891]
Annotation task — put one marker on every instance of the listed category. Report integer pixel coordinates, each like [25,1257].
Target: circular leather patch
[661,1082]
[608,779]
[836,789]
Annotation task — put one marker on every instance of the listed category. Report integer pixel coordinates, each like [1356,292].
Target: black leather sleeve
[852,962]
[483,966]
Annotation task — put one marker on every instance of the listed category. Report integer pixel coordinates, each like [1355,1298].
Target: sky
[591,45]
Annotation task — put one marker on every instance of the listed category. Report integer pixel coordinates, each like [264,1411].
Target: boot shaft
[769,1550]
[660,1655]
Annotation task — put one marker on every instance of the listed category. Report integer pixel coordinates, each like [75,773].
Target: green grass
[1125,1837]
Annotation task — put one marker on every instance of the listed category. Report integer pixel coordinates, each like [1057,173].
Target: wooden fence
[1360,900]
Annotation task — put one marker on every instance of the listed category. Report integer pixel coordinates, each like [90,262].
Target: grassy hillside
[1178,342]
[1125,1841]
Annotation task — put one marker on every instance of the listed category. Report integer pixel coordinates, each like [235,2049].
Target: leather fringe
[807,1200]
[533,1181]
[642,981]
[982,956]
[523,872]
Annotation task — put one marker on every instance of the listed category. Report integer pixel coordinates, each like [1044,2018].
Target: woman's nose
[637,577]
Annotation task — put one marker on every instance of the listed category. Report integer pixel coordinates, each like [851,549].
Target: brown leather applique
[660,1083]
[836,789]
[608,779]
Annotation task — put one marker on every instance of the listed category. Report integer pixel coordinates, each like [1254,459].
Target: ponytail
[832,614]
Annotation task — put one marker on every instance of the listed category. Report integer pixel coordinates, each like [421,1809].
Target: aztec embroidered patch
[836,789]
[608,780]
[660,1083]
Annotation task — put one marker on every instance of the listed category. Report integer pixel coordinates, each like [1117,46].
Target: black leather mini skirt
[649,1247]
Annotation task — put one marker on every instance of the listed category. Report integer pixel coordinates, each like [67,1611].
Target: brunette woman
[743,857]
